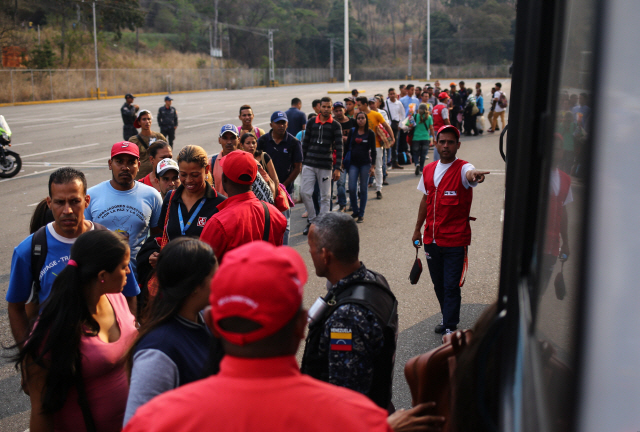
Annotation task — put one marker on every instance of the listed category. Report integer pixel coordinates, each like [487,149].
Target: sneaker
[306,230]
[497,129]
[417,170]
[490,130]
[440,327]
[379,195]
[360,219]
[305,214]
[396,166]
[385,183]
[354,215]
[342,208]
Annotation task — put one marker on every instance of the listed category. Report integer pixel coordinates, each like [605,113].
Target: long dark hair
[42,215]
[182,265]
[54,342]
[244,137]
[366,124]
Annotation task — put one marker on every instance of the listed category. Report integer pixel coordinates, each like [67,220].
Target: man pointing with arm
[447,187]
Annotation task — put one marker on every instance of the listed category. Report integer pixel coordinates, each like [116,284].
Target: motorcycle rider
[128,111]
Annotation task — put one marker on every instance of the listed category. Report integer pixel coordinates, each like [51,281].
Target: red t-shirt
[256,395]
[104,377]
[240,220]
[146,180]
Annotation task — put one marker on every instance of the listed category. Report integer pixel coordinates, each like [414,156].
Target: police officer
[128,112]
[168,120]
[352,334]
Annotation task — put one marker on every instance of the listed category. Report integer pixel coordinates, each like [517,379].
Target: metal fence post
[51,83]
[68,86]
[84,79]
[33,94]
[13,96]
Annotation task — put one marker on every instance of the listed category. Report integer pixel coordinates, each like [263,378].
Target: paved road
[80,134]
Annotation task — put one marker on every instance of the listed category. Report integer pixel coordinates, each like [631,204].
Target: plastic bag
[480,122]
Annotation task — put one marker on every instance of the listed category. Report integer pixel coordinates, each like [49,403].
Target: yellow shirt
[375,118]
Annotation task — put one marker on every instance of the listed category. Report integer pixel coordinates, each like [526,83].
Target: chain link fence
[22,85]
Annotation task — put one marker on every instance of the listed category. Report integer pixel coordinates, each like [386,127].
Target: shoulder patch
[341,339]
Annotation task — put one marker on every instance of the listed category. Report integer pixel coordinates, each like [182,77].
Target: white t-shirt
[384,115]
[555,186]
[441,169]
[496,95]
[396,110]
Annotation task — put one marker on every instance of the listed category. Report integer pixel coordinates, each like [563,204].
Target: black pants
[128,131]
[470,124]
[169,133]
[445,267]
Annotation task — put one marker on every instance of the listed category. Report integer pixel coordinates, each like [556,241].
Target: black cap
[167,98]
[129,95]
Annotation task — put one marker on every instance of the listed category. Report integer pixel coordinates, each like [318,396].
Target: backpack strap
[38,257]
[141,141]
[267,222]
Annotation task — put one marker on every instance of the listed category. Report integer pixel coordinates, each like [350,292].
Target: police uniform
[168,121]
[128,117]
[353,345]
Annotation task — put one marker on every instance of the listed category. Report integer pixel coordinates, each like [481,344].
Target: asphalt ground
[80,134]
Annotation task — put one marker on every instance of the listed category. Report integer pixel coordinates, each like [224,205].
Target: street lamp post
[428,40]
[347,76]
[95,44]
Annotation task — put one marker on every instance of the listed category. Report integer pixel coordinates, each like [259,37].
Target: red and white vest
[448,207]
[554,215]
[438,121]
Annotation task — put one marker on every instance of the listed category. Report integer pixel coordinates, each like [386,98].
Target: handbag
[416,270]
[282,199]
[431,375]
[152,283]
[558,283]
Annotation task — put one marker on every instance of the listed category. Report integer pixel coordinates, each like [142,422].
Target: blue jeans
[419,150]
[445,267]
[342,191]
[355,173]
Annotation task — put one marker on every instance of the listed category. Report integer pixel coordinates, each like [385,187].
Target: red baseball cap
[443,95]
[448,128]
[240,167]
[259,282]
[125,147]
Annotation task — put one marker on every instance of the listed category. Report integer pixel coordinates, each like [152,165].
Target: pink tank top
[104,377]
[217,175]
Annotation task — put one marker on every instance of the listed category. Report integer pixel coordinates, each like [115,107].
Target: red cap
[125,147]
[443,95]
[259,282]
[448,128]
[240,167]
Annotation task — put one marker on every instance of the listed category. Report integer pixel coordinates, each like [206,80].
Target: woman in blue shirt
[173,344]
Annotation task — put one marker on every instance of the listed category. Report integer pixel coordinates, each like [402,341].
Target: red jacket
[448,207]
[239,221]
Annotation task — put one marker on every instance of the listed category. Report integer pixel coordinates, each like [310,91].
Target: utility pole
[409,75]
[211,48]
[347,75]
[272,72]
[38,34]
[95,44]
[428,40]
[331,78]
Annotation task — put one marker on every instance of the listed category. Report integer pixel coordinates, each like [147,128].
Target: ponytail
[54,342]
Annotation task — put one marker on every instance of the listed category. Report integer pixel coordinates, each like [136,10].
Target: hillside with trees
[178,33]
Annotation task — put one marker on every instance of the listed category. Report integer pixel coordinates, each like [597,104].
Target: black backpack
[39,255]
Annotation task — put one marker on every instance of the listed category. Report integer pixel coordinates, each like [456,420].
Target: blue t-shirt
[406,100]
[58,251]
[130,213]
[296,120]
[300,135]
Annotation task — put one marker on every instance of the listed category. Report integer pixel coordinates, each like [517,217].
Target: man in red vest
[447,186]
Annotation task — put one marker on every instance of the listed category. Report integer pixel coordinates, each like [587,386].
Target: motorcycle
[10,162]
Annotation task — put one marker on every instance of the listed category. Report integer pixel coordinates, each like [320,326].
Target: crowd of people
[132,303]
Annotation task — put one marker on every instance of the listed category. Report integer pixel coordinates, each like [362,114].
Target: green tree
[41,57]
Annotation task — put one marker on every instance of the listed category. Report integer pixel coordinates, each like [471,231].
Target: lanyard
[193,216]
